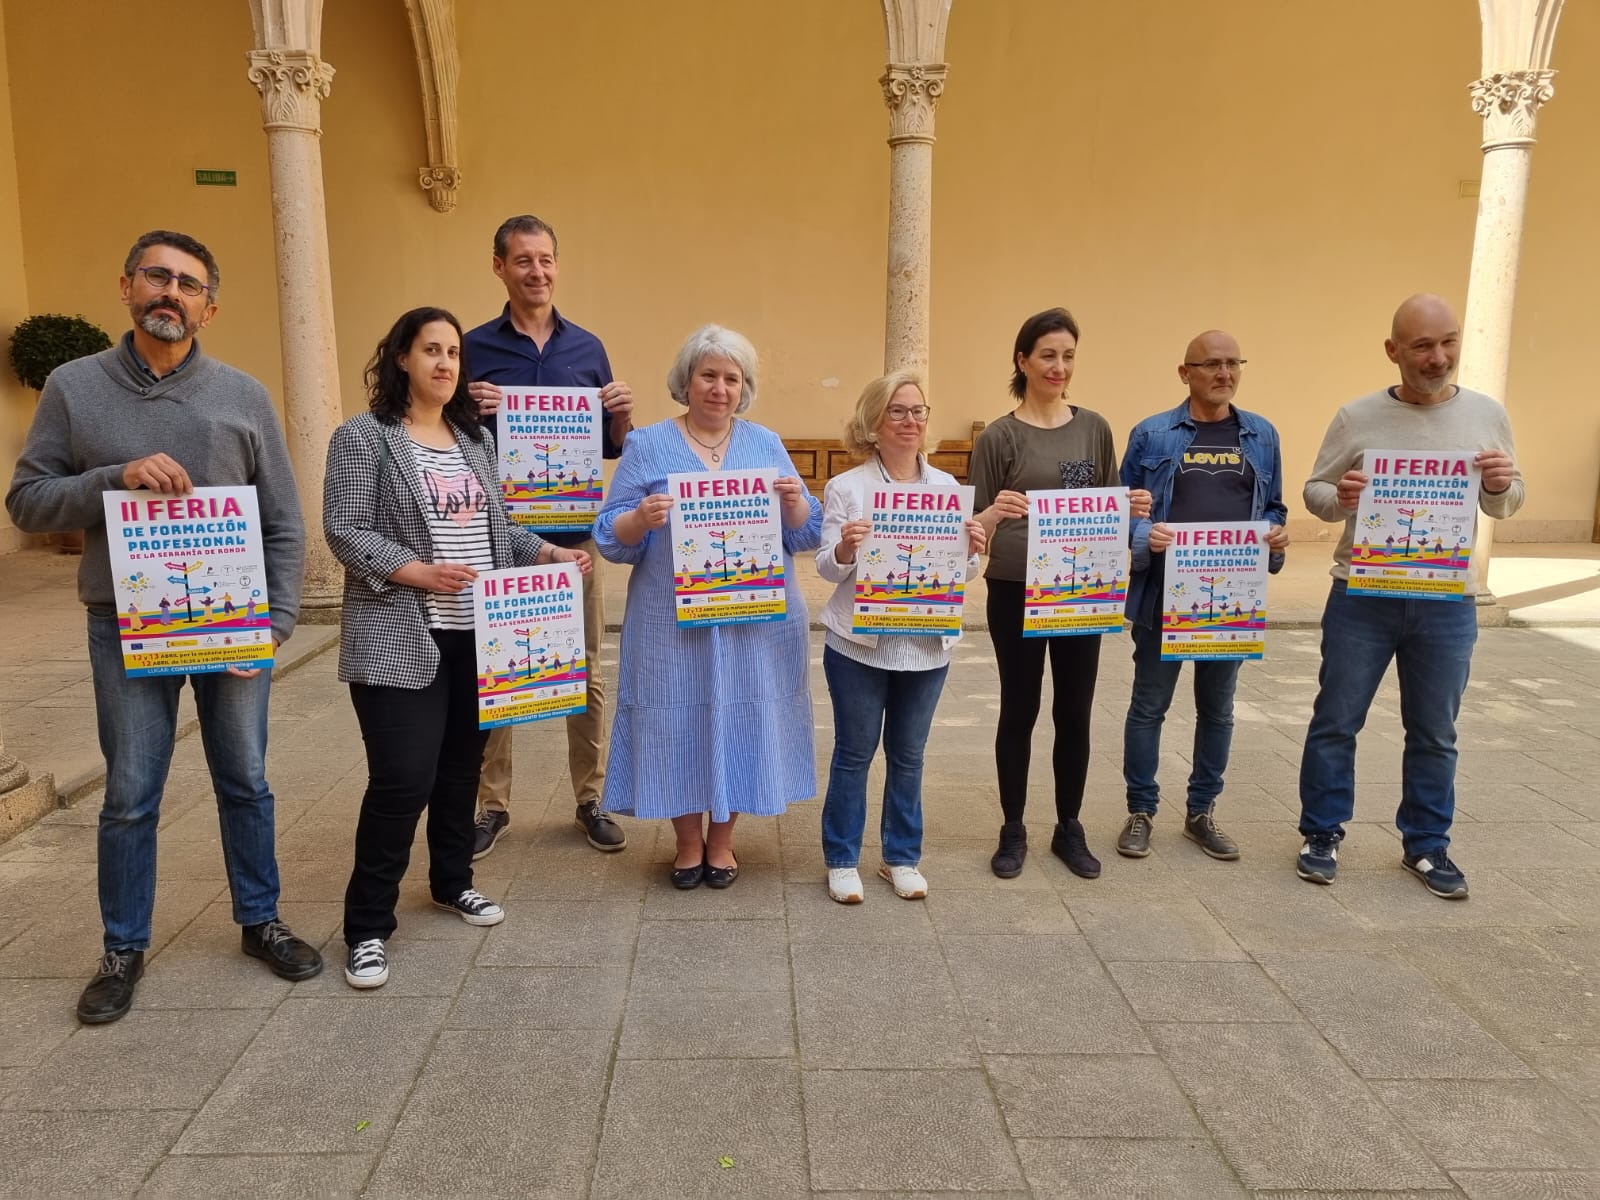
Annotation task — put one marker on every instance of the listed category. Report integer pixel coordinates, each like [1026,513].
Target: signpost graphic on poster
[549,445]
[1415,524]
[190,579]
[911,570]
[1077,564]
[1214,598]
[528,625]
[727,547]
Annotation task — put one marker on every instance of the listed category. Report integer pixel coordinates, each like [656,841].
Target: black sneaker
[1071,847]
[1134,840]
[491,826]
[288,956]
[474,908]
[1008,859]
[603,833]
[1201,828]
[1441,876]
[110,993]
[1319,858]
[368,965]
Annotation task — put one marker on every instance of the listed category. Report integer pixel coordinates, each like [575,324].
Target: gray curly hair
[713,341]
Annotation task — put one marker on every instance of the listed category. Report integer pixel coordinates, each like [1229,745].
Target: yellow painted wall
[1287,171]
[16,401]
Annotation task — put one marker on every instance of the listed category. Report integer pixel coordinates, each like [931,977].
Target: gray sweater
[1469,421]
[98,414]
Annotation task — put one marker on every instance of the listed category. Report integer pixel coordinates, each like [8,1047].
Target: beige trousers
[586,739]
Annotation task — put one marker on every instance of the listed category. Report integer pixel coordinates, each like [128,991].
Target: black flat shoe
[685,878]
[721,877]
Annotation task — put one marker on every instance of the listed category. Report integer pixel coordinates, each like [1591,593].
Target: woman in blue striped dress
[711,721]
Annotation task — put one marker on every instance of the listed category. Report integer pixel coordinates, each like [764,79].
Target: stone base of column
[1491,613]
[23,804]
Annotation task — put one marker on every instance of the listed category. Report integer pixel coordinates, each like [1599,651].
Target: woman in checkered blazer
[412,508]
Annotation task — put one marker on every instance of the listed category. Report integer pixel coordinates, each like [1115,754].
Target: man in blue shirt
[1202,461]
[530,344]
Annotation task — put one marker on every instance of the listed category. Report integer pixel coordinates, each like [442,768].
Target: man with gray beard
[154,412]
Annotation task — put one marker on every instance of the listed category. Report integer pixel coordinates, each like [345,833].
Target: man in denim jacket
[1203,461]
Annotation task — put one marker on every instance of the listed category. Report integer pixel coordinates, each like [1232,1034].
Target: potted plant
[41,344]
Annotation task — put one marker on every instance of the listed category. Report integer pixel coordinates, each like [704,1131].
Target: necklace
[883,469]
[711,446]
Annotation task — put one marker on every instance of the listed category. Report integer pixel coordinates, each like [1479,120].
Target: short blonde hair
[713,341]
[861,431]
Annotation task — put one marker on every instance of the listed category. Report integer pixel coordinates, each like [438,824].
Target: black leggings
[1074,663]
[424,751]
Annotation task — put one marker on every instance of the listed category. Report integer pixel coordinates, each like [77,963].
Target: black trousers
[424,750]
[1074,663]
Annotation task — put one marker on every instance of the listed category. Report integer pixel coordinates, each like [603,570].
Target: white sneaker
[474,908]
[844,885]
[368,965]
[908,881]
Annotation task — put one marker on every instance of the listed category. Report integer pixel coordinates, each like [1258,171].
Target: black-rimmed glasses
[159,277]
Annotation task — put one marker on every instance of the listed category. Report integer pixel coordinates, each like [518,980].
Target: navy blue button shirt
[498,352]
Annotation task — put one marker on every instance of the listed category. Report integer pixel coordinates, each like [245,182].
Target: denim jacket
[1151,461]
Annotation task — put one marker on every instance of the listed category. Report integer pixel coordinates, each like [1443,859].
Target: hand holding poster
[1414,527]
[727,547]
[548,441]
[528,622]
[190,579]
[1077,562]
[1214,603]
[911,570]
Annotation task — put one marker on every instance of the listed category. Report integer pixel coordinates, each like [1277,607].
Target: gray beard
[164,326]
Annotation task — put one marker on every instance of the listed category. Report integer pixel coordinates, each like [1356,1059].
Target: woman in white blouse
[412,509]
[886,686]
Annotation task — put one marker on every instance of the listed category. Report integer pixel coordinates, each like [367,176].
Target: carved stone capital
[912,92]
[293,84]
[1509,103]
[440,182]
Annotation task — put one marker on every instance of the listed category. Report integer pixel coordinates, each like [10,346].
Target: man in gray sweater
[1430,640]
[154,412]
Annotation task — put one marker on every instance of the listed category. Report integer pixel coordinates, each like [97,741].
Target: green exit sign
[216,178]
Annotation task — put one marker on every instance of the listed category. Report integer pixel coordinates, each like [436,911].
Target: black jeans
[424,750]
[1074,663]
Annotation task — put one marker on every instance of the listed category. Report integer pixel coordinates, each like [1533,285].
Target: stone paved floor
[1180,1027]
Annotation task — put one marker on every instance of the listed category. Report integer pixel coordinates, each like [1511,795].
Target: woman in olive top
[1044,443]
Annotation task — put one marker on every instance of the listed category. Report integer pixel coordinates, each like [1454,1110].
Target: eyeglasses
[899,412]
[159,277]
[1216,364]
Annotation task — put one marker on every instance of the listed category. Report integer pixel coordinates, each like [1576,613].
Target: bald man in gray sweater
[154,412]
[1430,640]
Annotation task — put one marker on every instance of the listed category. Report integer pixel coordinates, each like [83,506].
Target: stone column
[288,71]
[1518,36]
[912,84]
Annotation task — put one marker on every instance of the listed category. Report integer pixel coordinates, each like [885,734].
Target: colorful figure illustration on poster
[549,443]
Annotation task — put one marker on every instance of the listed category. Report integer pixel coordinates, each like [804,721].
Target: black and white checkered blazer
[375,517]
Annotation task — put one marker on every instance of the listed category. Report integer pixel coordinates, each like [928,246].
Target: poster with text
[190,579]
[911,570]
[727,548]
[1414,527]
[528,623]
[1077,565]
[1214,599]
[548,440]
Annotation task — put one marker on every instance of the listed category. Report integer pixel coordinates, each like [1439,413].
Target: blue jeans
[138,720]
[1154,682]
[867,701]
[1431,644]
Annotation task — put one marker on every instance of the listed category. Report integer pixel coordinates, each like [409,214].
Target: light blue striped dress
[716,719]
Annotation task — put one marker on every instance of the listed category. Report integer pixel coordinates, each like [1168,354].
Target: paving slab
[77,1154]
[259,1176]
[498,1116]
[1275,1127]
[1090,1095]
[901,1130]
[1127,1169]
